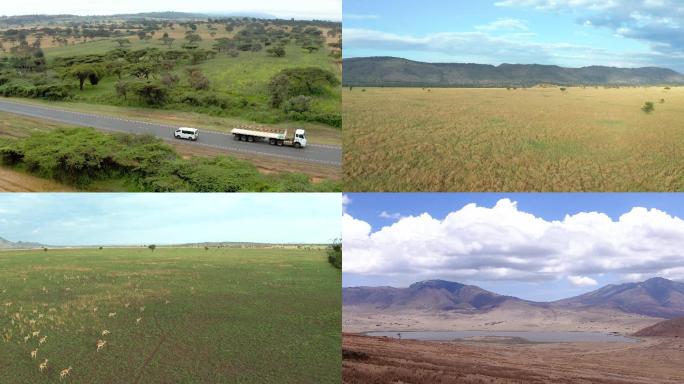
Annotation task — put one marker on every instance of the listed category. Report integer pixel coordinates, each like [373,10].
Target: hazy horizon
[298,9]
[73,219]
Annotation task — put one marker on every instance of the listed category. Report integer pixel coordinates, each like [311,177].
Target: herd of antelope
[20,319]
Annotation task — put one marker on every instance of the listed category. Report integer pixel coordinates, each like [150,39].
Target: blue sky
[94,218]
[534,246]
[572,33]
[299,9]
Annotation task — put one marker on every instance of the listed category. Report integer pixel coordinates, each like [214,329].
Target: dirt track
[14,181]
[382,360]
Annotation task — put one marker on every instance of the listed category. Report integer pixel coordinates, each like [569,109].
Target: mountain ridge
[655,297]
[393,71]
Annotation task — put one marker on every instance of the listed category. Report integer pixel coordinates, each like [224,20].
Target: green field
[217,316]
[525,139]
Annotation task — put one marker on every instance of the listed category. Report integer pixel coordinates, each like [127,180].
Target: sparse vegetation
[593,139]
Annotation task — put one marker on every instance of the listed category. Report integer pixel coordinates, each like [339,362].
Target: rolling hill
[431,295]
[397,72]
[6,244]
[656,297]
[667,328]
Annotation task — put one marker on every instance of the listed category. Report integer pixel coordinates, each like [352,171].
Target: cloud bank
[505,243]
[657,22]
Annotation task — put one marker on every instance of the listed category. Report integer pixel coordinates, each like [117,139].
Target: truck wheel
[280,143]
[272,141]
[298,145]
[250,139]
[243,138]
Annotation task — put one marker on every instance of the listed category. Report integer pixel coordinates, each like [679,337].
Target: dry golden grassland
[534,139]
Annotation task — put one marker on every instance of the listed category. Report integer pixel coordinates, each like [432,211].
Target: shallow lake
[533,336]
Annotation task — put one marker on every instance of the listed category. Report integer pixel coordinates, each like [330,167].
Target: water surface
[533,336]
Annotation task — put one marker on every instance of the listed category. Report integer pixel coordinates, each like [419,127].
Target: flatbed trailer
[273,136]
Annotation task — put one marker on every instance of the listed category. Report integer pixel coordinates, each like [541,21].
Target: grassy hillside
[534,139]
[230,57]
[181,315]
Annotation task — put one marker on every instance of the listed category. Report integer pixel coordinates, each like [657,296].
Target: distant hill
[655,297]
[391,71]
[6,244]
[45,19]
[431,295]
[669,328]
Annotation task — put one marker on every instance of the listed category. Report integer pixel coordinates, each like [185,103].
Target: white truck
[273,136]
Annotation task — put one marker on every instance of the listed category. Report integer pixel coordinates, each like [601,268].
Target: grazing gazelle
[94,309]
[35,333]
[105,332]
[34,354]
[138,320]
[42,340]
[100,344]
[127,305]
[112,314]
[64,373]
[43,365]
[26,338]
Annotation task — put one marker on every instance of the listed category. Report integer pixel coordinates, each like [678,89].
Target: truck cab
[300,138]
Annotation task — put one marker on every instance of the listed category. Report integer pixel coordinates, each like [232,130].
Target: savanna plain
[516,139]
[136,315]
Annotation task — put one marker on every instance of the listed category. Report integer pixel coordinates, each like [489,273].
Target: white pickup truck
[273,136]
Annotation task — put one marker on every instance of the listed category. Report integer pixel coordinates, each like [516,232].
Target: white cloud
[581,281]
[387,215]
[504,24]
[346,200]
[504,242]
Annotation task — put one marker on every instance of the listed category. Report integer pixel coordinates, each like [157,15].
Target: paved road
[313,153]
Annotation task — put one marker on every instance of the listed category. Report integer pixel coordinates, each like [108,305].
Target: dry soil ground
[371,360]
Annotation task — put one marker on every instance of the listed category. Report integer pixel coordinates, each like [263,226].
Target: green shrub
[299,103]
[334,252]
[648,107]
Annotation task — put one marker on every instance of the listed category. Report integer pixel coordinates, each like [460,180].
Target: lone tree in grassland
[648,107]
[152,247]
[563,89]
[122,42]
[335,253]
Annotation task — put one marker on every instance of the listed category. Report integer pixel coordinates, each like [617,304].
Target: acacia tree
[84,72]
[122,42]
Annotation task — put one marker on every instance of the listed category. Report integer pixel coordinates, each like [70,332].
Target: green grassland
[525,139]
[216,316]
